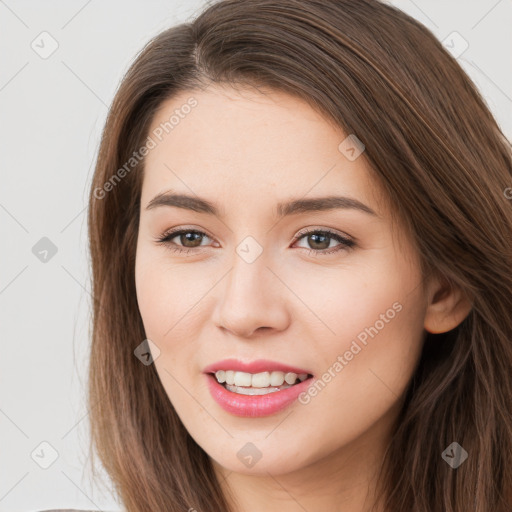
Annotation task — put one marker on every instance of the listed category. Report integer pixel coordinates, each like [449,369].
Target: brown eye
[187,238]
[190,238]
[320,240]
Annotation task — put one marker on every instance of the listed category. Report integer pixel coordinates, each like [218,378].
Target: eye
[319,240]
[189,238]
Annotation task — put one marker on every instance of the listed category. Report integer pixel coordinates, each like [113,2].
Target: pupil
[190,237]
[324,237]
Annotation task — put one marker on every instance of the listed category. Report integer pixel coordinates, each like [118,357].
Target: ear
[447,306]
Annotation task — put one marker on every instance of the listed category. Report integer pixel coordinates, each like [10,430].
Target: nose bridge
[249,274]
[251,296]
[248,282]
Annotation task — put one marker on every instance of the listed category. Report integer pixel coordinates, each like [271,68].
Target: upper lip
[258,366]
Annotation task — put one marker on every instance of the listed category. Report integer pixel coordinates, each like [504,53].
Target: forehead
[250,145]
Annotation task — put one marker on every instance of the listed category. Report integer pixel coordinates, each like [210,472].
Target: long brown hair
[446,167]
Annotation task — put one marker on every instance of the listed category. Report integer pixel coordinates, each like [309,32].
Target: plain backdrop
[61,62]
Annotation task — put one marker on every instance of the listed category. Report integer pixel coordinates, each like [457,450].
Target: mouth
[256,400]
[257,388]
[262,383]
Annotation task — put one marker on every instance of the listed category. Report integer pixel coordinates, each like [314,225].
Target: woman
[300,240]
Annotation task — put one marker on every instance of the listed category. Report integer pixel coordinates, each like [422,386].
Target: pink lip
[255,405]
[261,365]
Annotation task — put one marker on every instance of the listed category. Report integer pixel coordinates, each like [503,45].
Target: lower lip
[255,405]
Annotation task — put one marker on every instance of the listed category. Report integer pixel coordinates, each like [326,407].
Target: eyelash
[346,243]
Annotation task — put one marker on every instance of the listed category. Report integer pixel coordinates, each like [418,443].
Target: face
[327,291]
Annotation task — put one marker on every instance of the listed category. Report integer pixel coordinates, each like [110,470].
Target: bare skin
[246,152]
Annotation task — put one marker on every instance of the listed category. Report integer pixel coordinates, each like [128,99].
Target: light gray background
[52,112]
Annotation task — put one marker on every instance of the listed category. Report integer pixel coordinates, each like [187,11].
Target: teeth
[221,376]
[258,380]
[276,378]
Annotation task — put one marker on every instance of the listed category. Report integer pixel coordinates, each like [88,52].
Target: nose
[251,299]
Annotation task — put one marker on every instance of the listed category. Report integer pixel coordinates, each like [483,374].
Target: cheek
[375,297]
[172,299]
[364,380]
[165,292]
[150,292]
[368,362]
[166,308]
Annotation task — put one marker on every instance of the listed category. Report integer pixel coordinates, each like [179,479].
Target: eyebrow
[284,209]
